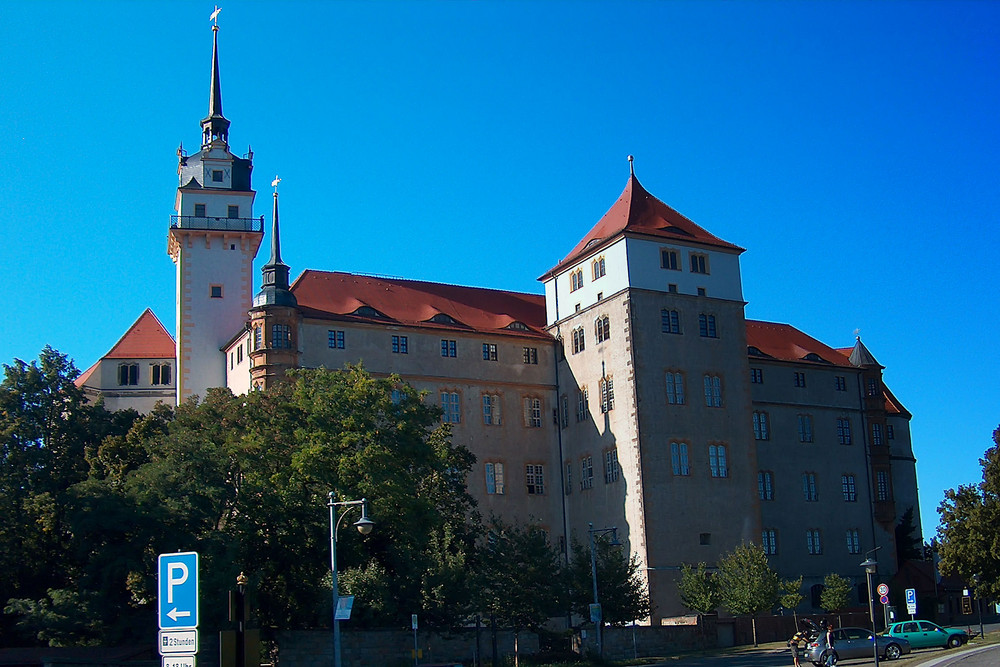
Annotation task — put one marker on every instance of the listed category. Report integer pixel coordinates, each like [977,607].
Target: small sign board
[911,601]
[178,661]
[178,642]
[883,589]
[177,582]
[595,613]
[413,621]
[344,605]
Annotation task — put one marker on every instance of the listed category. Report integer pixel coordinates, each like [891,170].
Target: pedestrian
[829,656]
[799,640]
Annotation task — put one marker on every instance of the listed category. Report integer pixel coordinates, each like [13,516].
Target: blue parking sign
[911,596]
[178,590]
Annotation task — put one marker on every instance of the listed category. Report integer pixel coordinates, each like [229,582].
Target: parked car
[923,634]
[856,643]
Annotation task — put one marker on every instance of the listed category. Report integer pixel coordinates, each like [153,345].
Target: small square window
[199,210]
[216,175]
[215,291]
[702,292]
[234,211]
[705,539]
[672,288]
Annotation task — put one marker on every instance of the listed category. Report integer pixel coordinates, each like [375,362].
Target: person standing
[800,640]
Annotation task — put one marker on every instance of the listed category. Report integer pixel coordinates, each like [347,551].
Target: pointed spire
[861,357]
[275,240]
[215,126]
[274,290]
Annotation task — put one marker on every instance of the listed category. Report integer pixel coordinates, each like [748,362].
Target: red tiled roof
[640,213]
[146,339]
[785,342]
[84,376]
[338,295]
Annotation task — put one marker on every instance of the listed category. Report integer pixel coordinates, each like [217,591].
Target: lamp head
[870,565]
[364,524]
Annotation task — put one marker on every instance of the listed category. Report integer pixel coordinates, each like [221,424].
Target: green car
[924,634]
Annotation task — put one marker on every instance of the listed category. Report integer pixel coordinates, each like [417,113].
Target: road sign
[911,601]
[883,589]
[178,588]
[344,605]
[884,599]
[178,641]
[178,661]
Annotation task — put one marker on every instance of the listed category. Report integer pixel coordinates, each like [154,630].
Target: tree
[908,545]
[699,589]
[791,597]
[622,591]
[969,532]
[836,593]
[747,584]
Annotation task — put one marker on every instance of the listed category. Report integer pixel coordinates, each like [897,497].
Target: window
[840,383]
[756,376]
[800,379]
[843,430]
[598,267]
[805,428]
[675,388]
[531,355]
[717,461]
[876,434]
[216,175]
[494,478]
[489,351]
[813,543]
[679,458]
[765,485]
[533,412]
[534,478]
[258,338]
[607,394]
[704,539]
[449,348]
[670,321]
[760,431]
[564,411]
[575,280]
[215,291]
[335,339]
[128,374]
[849,488]
[889,433]
[400,345]
[699,263]
[702,292]
[281,336]
[491,409]
[450,407]
[587,472]
[602,329]
[199,210]
[568,482]
[232,360]
[668,259]
[713,391]
[234,211]
[853,541]
[579,340]
[706,326]
[672,288]
[239,354]
[582,409]
[611,468]
[809,487]
[769,541]
[882,485]
[160,373]
[396,396]
[872,387]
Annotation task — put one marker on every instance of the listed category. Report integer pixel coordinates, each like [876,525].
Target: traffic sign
[883,589]
[178,661]
[178,589]
[178,641]
[911,596]
[884,599]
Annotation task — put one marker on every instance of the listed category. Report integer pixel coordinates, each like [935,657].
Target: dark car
[922,634]
[856,643]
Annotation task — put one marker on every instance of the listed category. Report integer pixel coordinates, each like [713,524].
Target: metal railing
[221,224]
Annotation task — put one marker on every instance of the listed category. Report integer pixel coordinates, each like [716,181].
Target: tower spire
[215,126]
[274,288]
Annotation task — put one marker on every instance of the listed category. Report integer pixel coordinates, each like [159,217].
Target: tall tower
[213,240]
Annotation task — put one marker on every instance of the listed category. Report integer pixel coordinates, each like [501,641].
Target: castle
[632,394]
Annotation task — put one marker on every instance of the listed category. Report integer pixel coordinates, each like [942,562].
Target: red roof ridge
[145,339]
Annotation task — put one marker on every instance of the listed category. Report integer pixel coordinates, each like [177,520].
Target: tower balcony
[217,224]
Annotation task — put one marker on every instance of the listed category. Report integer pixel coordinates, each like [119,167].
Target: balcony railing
[220,224]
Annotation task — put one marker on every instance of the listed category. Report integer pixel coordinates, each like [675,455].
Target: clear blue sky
[851,147]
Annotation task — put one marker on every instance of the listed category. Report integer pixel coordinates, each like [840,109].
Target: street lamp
[599,621]
[871,567]
[364,526]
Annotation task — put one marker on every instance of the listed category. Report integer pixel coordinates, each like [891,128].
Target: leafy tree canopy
[836,593]
[622,590]
[699,589]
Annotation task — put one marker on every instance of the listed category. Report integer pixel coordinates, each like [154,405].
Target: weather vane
[215,15]
[274,183]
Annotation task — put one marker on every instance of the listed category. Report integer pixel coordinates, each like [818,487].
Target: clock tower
[213,240]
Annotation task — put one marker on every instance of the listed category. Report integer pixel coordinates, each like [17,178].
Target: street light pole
[599,622]
[364,526]
[871,567]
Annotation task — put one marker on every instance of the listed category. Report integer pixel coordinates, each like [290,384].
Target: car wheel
[892,652]
[954,641]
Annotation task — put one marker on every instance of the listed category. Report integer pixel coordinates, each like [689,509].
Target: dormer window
[442,318]
[518,326]
[368,311]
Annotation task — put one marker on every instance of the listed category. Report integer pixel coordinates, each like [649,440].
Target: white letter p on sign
[177,574]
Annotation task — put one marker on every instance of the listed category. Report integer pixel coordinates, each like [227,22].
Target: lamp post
[364,526]
[871,567]
[599,622]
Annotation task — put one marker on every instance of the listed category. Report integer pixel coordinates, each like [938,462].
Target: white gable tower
[213,240]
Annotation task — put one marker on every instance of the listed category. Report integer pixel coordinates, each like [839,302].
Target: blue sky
[851,147]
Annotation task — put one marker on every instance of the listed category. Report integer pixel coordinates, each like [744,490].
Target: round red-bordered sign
[883,589]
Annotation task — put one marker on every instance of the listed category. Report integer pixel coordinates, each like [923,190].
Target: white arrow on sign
[174,614]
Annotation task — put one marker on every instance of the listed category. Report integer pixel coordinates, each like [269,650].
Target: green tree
[699,589]
[908,545]
[747,584]
[836,593]
[622,591]
[969,532]
[790,597]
